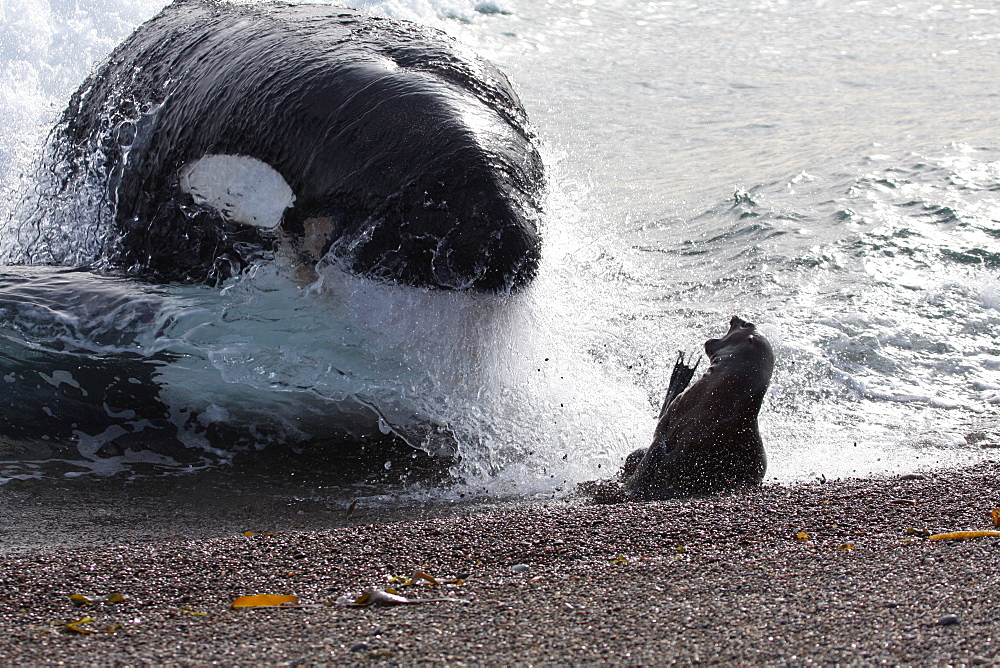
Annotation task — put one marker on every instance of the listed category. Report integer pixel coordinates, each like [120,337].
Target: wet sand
[786,575]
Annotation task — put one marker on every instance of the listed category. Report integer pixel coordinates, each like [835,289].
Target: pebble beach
[835,572]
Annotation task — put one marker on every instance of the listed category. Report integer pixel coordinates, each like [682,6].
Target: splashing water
[864,241]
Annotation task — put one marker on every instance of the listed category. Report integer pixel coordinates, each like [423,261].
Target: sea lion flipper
[680,378]
[632,463]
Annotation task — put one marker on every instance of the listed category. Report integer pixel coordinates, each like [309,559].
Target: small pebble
[948,620]
[519,568]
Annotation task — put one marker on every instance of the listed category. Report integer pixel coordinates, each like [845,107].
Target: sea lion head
[744,351]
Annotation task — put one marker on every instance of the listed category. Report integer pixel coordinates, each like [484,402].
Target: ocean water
[830,171]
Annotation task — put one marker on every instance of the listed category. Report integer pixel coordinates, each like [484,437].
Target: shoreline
[788,575]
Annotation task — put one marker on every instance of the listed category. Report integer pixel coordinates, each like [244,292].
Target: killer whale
[222,134]
[219,136]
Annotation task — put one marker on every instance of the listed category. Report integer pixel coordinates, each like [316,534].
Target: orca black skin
[408,157]
[707,440]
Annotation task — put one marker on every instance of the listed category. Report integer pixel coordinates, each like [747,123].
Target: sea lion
[707,439]
[221,133]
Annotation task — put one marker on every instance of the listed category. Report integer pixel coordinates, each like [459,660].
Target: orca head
[428,186]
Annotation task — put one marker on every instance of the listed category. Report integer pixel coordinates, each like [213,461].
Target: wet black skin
[415,152]
[707,439]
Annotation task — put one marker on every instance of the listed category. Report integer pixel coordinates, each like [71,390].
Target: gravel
[831,573]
